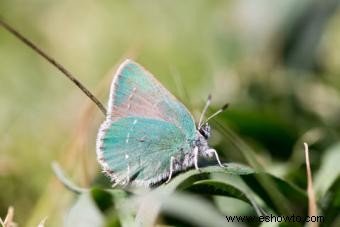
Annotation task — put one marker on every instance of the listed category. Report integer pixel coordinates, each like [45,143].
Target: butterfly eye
[205,131]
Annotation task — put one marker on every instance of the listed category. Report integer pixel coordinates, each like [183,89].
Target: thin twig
[65,181]
[54,63]
[312,211]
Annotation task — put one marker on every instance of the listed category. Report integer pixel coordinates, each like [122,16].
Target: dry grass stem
[9,220]
[312,208]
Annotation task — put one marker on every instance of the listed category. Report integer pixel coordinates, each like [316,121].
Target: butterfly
[148,135]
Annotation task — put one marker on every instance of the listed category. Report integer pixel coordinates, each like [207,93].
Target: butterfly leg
[172,162]
[213,151]
[196,157]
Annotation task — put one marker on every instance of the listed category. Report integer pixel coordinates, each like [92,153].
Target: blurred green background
[276,62]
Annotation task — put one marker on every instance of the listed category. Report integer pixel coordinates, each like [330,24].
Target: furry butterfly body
[148,134]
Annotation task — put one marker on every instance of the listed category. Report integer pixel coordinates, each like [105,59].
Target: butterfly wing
[135,92]
[139,149]
[145,126]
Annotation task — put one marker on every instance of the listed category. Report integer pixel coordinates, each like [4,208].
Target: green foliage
[174,199]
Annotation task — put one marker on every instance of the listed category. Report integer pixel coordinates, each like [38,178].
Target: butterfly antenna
[224,107]
[207,104]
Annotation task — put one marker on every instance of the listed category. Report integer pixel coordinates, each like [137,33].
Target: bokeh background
[276,62]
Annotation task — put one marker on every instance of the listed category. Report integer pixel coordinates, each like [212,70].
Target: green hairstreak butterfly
[148,135]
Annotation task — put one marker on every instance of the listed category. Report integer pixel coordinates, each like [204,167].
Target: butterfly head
[205,130]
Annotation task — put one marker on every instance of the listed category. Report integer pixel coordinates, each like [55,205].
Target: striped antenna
[224,107]
[207,104]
